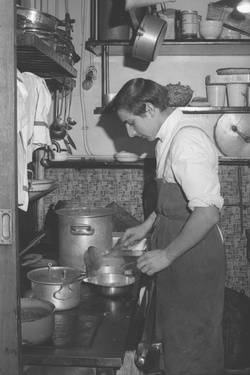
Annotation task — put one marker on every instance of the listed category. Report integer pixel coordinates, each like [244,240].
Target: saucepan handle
[65,292]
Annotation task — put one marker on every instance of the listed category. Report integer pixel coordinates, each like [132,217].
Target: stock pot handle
[82,230]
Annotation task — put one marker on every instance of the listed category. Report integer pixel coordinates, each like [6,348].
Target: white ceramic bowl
[210,29]
[126,157]
[59,156]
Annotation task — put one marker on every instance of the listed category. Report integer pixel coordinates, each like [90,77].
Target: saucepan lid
[232,135]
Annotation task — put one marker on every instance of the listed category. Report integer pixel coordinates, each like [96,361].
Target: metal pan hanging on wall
[149,38]
[232,135]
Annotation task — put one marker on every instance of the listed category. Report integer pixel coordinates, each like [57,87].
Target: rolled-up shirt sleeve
[194,166]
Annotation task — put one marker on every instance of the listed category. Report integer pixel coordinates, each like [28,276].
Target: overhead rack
[36,56]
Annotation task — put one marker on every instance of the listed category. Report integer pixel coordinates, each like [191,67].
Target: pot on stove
[58,285]
[79,228]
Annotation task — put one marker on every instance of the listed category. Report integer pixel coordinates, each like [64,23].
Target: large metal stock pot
[79,228]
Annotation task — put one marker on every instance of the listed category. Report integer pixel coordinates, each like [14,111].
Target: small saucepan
[110,285]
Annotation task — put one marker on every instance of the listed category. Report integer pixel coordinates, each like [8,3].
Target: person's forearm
[201,221]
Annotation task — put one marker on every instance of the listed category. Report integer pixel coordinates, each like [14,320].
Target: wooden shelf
[216,47]
[195,110]
[94,163]
[214,110]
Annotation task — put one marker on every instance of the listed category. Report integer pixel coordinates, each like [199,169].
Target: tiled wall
[99,187]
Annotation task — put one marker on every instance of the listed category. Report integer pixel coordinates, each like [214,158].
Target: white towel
[34,103]
[39,108]
[22,126]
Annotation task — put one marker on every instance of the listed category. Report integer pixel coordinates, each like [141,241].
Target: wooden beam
[10,358]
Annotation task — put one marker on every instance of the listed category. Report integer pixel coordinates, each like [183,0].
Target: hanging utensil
[45,159]
[59,122]
[71,142]
[149,38]
[70,120]
[58,127]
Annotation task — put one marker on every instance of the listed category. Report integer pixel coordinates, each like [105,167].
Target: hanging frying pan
[232,135]
[149,38]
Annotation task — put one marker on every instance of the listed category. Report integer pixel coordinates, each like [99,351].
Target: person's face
[137,126]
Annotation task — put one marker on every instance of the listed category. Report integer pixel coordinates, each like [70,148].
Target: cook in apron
[190,293]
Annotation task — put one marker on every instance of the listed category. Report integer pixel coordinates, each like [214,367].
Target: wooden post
[10,358]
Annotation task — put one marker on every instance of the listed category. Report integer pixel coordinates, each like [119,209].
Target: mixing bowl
[210,29]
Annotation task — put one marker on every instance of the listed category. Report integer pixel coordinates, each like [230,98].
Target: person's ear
[150,109]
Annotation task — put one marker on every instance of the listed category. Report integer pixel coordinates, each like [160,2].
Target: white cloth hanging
[33,107]
[22,125]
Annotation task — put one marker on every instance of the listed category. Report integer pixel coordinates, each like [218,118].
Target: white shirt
[190,158]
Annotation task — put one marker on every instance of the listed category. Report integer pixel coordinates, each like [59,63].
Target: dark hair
[134,95]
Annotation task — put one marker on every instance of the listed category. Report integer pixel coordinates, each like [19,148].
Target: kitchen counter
[92,335]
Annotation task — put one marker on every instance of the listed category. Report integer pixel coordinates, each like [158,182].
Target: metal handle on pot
[82,230]
[64,294]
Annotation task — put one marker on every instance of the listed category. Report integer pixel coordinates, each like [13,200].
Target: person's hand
[154,261]
[133,234]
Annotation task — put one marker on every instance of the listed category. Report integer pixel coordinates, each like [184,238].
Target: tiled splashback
[99,187]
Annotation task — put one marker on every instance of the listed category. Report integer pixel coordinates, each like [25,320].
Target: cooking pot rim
[45,271]
[27,302]
[85,211]
[94,280]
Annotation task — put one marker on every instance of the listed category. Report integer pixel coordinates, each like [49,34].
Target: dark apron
[190,293]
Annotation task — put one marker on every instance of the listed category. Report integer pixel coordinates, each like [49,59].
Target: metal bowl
[38,19]
[110,285]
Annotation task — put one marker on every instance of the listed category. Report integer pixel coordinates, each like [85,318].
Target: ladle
[59,121]
[124,265]
[45,159]
[93,259]
[70,120]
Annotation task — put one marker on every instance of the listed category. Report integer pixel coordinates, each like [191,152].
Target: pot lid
[85,211]
[31,259]
[232,135]
[53,275]
[149,38]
